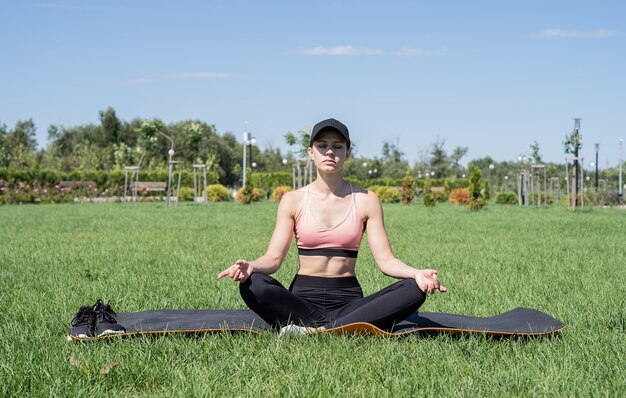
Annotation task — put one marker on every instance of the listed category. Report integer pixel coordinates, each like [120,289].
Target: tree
[194,133]
[18,146]
[477,200]
[427,196]
[572,145]
[391,153]
[534,153]
[4,152]
[408,192]
[111,127]
[24,134]
[457,154]
[301,139]
[393,163]
[439,162]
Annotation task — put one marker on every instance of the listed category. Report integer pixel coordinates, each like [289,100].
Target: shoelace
[84,315]
[105,311]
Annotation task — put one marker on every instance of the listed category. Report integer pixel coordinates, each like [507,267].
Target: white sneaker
[293,330]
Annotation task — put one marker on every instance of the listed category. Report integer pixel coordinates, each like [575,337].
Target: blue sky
[491,75]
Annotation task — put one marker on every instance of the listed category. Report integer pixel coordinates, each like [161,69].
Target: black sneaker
[83,324]
[106,322]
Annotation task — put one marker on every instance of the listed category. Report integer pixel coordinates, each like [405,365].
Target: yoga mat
[517,322]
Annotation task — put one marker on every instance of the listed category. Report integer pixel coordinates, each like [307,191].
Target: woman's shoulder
[292,199]
[298,193]
[364,198]
[362,191]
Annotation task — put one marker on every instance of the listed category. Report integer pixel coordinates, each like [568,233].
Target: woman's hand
[240,271]
[427,281]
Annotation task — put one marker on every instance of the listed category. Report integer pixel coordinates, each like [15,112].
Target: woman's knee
[412,291]
[256,285]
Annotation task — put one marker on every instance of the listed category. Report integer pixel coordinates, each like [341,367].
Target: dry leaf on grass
[107,369]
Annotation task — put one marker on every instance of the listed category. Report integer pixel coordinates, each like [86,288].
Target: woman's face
[329,151]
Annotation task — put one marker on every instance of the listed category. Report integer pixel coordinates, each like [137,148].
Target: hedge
[104,179]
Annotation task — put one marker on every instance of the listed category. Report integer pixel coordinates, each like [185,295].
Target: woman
[329,217]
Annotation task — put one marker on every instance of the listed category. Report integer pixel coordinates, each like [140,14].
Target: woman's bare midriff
[329,267]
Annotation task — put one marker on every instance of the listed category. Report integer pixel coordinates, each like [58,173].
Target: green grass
[54,258]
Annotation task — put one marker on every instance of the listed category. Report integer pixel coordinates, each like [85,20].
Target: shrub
[456,183]
[374,188]
[605,197]
[507,198]
[408,190]
[279,192]
[428,197]
[459,196]
[476,200]
[217,193]
[486,190]
[373,182]
[440,196]
[388,194]
[186,194]
[264,181]
[248,195]
[566,200]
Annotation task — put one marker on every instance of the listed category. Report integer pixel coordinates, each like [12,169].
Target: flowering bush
[459,196]
[247,195]
[279,192]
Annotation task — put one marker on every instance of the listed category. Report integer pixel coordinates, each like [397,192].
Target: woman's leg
[276,305]
[384,308]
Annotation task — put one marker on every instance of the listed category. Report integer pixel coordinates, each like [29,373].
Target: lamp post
[621,160]
[597,150]
[506,183]
[522,181]
[248,140]
[491,167]
[592,164]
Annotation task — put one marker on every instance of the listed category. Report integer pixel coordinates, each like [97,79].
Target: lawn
[55,258]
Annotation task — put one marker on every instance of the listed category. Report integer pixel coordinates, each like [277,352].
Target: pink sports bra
[315,239]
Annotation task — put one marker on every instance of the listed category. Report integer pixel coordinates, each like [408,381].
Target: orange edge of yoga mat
[358,328]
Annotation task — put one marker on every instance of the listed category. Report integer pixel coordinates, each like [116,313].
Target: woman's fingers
[232,270]
[223,273]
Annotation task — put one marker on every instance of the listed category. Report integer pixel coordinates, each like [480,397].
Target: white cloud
[197,75]
[417,52]
[341,50]
[573,34]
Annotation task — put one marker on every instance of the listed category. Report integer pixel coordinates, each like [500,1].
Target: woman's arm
[381,250]
[278,247]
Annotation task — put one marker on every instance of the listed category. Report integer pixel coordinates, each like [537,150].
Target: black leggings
[329,302]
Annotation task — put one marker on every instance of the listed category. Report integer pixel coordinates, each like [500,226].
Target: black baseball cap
[330,124]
